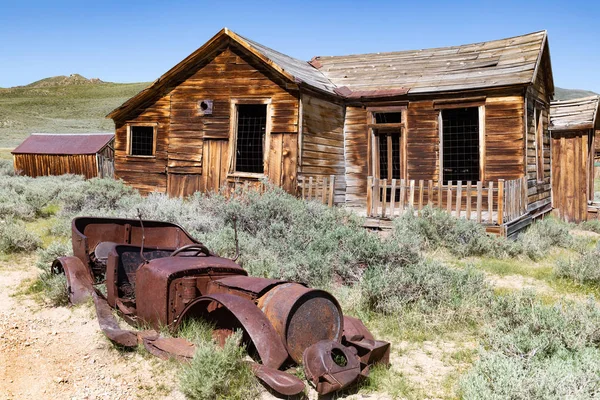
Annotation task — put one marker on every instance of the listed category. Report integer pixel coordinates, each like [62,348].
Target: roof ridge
[545,32]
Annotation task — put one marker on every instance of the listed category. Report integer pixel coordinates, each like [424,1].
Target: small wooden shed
[573,124]
[87,154]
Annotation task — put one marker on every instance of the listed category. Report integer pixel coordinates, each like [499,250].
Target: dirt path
[59,353]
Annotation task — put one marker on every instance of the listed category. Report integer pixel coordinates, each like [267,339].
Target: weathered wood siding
[196,147]
[422,142]
[147,174]
[54,164]
[323,142]
[570,152]
[539,192]
[504,138]
[356,152]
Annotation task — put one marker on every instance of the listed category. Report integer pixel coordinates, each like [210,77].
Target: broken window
[250,138]
[460,149]
[141,140]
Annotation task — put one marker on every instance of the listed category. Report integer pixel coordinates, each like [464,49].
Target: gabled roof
[73,143]
[574,114]
[504,62]
[290,68]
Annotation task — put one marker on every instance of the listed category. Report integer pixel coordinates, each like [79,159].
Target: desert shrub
[283,237]
[544,234]
[537,351]
[219,373]
[436,228]
[583,269]
[592,225]
[56,249]
[99,195]
[14,238]
[525,327]
[6,168]
[427,285]
[53,287]
[499,376]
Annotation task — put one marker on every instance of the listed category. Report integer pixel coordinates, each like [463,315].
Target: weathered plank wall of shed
[570,165]
[323,142]
[356,152]
[539,192]
[53,164]
[147,174]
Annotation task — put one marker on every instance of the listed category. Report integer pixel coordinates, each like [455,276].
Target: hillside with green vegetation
[569,94]
[61,104]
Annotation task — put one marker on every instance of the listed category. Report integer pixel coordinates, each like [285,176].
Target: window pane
[251,128]
[461,144]
[142,140]
[388,118]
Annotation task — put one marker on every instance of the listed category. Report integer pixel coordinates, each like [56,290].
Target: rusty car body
[157,276]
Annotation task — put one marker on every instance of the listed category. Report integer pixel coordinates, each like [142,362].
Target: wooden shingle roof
[504,62]
[498,63]
[574,114]
[56,143]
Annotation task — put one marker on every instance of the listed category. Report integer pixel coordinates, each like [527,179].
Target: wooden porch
[498,205]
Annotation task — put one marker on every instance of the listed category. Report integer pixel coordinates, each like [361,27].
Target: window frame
[233,126]
[154,125]
[374,139]
[480,105]
[538,120]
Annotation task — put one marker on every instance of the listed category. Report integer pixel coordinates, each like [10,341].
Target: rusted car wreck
[158,276]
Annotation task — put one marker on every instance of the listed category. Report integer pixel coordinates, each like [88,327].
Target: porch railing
[486,202]
[320,188]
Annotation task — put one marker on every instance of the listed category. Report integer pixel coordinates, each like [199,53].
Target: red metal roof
[79,143]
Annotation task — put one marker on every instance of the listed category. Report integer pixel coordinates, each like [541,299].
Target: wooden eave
[544,55]
[220,41]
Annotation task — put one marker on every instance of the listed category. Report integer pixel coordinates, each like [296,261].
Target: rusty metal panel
[330,366]
[302,316]
[78,143]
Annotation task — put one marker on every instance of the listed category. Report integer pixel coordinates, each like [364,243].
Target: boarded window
[251,128]
[142,140]
[460,137]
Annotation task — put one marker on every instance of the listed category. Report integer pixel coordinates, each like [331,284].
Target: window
[142,140]
[539,144]
[387,132]
[460,144]
[250,138]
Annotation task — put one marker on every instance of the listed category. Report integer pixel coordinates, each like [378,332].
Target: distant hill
[60,104]
[569,94]
[63,80]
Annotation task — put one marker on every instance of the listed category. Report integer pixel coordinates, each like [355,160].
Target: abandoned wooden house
[464,128]
[87,154]
[573,126]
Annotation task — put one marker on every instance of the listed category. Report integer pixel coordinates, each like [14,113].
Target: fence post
[479,195]
[469,187]
[421,188]
[310,187]
[324,190]
[430,193]
[449,198]
[458,198]
[303,187]
[402,195]
[384,199]
[500,201]
[393,198]
[331,190]
[411,199]
[370,196]
[491,202]
[376,197]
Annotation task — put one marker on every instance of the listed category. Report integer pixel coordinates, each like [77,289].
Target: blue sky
[133,41]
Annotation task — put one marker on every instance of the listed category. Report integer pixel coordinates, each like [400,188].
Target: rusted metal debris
[157,275]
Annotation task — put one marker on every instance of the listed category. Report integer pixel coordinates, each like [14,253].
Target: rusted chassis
[157,275]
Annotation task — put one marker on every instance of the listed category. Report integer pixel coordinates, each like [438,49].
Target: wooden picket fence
[486,202]
[320,188]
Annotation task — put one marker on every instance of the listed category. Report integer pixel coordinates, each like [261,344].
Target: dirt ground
[60,353]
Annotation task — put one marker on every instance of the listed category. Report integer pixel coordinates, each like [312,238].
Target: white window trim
[233,137]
